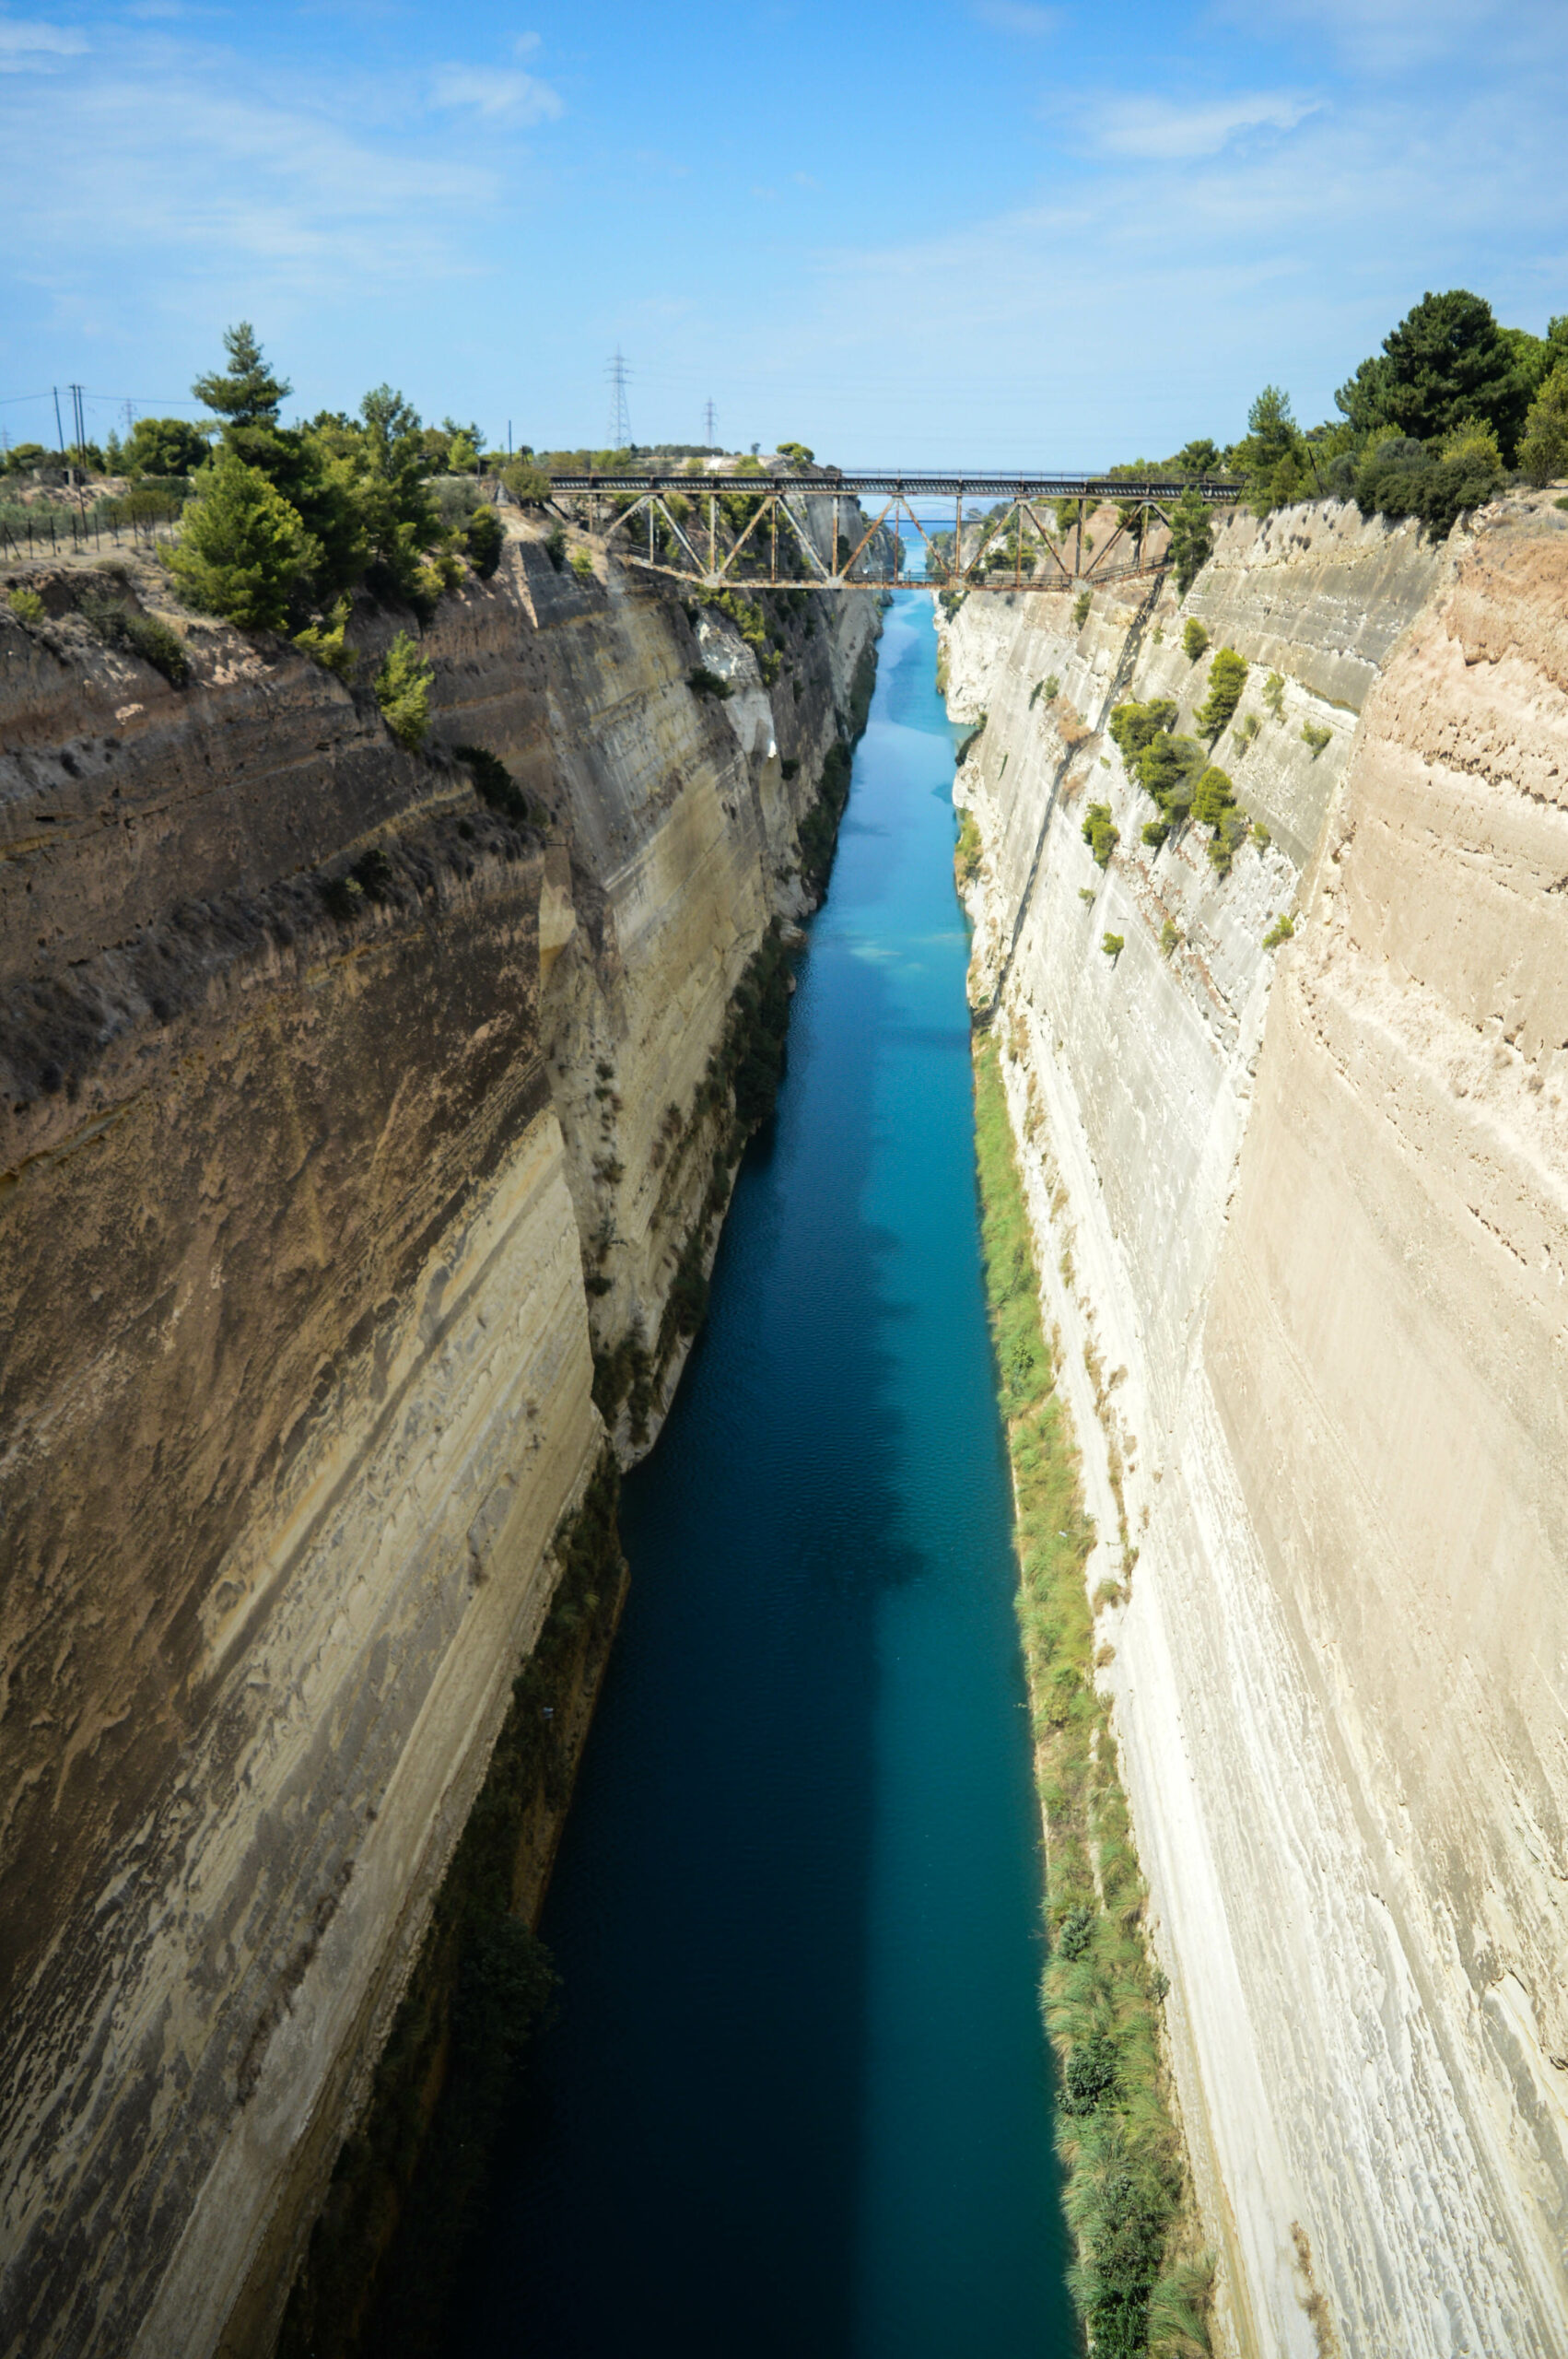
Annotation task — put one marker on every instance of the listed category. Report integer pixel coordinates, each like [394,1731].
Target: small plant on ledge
[1284,925]
[1194,639]
[1100,831]
[1113,945]
[1313,735]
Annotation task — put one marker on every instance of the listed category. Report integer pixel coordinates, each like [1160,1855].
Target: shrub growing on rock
[402,691]
[1192,541]
[1194,639]
[1100,831]
[123,626]
[1227,678]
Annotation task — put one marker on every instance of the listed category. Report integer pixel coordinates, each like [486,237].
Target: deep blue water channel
[797,2100]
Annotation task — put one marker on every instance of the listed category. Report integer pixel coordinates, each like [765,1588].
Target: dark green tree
[163,446]
[1227,677]
[242,552]
[486,538]
[1192,539]
[1447,361]
[246,392]
[1543,453]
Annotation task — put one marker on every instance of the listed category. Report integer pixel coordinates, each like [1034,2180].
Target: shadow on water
[796,2099]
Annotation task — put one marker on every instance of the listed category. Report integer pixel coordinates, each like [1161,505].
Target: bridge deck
[1219,490]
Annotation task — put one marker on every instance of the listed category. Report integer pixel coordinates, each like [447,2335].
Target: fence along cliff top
[1002,555]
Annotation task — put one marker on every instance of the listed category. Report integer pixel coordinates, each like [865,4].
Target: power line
[618,370]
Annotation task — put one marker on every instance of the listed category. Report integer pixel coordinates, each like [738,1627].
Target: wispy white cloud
[1016,17]
[1166,131]
[512,97]
[27,44]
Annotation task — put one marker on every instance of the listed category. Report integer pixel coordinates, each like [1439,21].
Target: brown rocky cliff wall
[1312,1202]
[295,1379]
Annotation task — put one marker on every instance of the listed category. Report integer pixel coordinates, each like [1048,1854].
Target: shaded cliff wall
[1311,1202]
[299,1352]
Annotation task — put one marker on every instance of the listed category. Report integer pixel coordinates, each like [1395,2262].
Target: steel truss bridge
[777,543]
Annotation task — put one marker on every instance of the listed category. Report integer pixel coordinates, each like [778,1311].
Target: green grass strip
[1138,2284]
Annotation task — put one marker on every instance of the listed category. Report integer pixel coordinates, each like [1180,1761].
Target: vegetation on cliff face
[482,1985]
[1140,2285]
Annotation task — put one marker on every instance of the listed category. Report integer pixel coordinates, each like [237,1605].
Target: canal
[797,2099]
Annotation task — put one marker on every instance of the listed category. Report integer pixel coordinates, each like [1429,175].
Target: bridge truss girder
[1076,563]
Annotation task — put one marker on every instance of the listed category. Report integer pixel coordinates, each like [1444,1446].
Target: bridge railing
[715,531]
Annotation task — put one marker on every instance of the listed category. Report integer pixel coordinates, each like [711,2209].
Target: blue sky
[976,231]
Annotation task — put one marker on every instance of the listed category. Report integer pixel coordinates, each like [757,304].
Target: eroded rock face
[1313,1202]
[297,1384]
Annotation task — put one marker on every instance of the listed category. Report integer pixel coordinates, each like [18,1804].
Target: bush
[1543,453]
[581,563]
[323,642]
[1100,832]
[704,683]
[1154,832]
[1113,945]
[1212,797]
[1274,695]
[1168,770]
[1170,934]
[1080,609]
[402,691]
[1246,729]
[243,551]
[1227,678]
[1076,1931]
[164,446]
[127,629]
[1315,736]
[25,604]
[966,856]
[1090,2080]
[529,485]
[1134,725]
[555,546]
[1194,639]
[1284,925]
[486,538]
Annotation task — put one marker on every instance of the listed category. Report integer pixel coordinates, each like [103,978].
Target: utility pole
[81,418]
[59,429]
[619,372]
[710,421]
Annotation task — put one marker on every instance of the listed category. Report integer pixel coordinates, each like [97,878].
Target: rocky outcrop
[1301,1212]
[340,1112]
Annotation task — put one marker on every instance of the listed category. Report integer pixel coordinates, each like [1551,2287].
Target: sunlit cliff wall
[297,1218]
[1305,1218]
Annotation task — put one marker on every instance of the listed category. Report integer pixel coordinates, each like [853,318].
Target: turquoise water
[797,2101]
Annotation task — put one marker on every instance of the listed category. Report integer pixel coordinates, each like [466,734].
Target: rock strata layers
[340,1116]
[1301,1212]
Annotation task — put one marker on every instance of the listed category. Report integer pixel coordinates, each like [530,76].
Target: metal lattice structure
[789,532]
